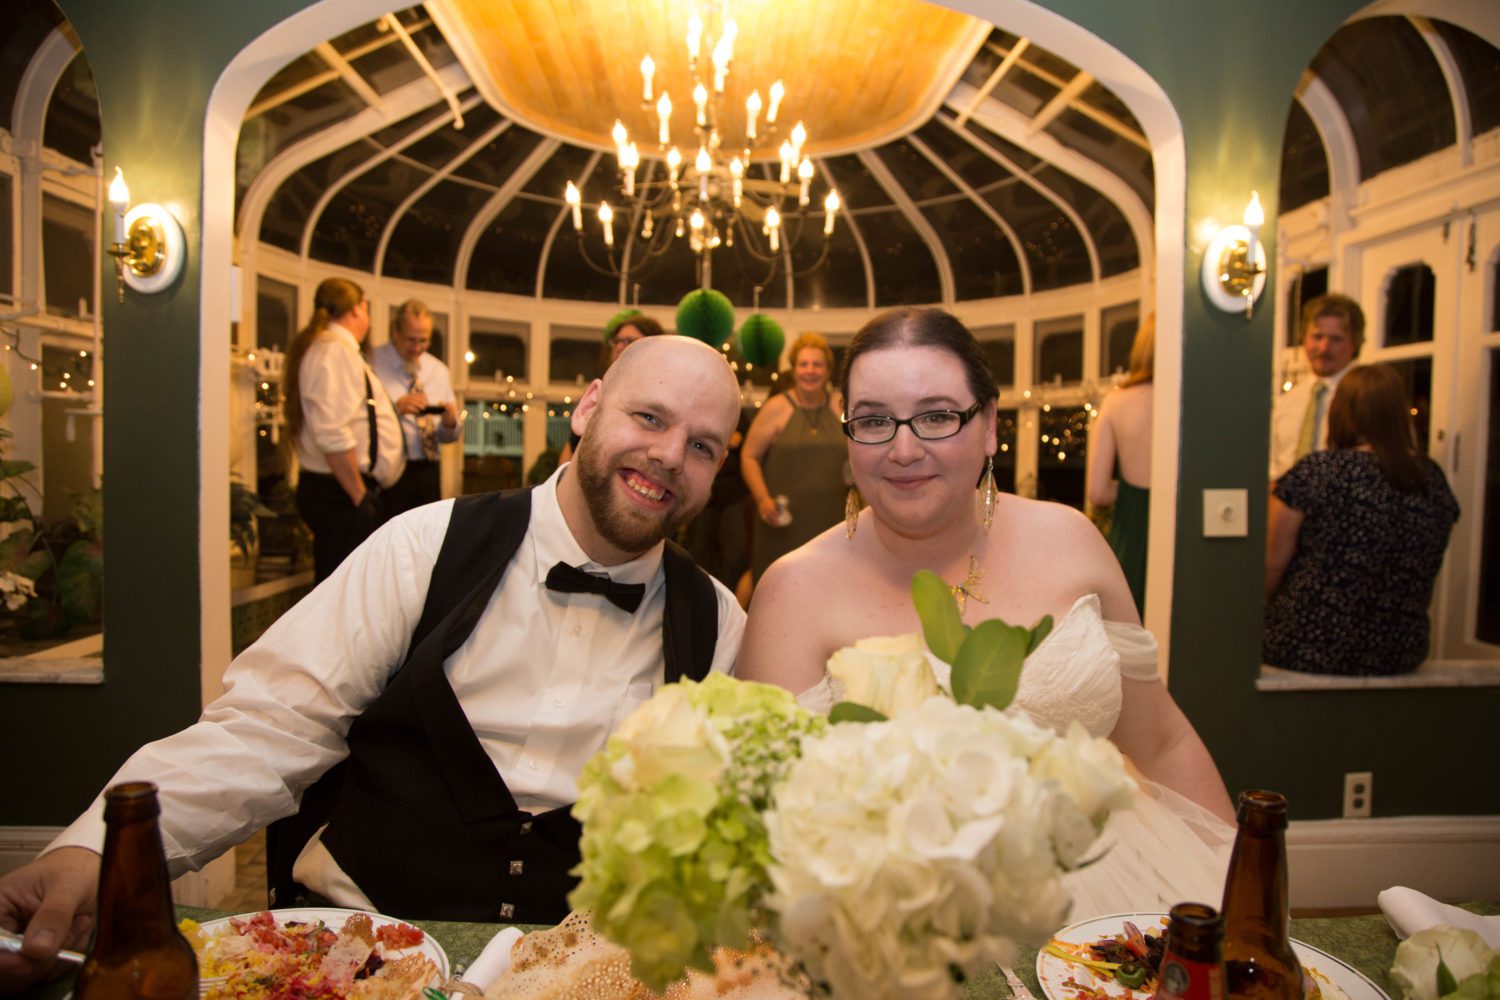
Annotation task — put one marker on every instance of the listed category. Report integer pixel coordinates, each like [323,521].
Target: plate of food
[314,954]
[1116,957]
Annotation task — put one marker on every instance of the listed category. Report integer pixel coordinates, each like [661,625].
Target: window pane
[559,424]
[1061,458]
[275,313]
[1417,374]
[1479,65]
[67,437]
[999,346]
[1408,306]
[72,126]
[68,256]
[493,434]
[1120,324]
[1304,164]
[576,354]
[1488,627]
[1005,451]
[1306,287]
[1059,350]
[499,349]
[7,229]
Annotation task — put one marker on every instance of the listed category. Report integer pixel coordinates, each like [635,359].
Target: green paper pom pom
[762,340]
[618,320]
[706,315]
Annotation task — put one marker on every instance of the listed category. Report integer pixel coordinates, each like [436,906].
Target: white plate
[1052,972]
[335,918]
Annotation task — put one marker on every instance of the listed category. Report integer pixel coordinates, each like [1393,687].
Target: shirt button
[578,630]
[516,867]
[507,910]
[557,703]
[533,765]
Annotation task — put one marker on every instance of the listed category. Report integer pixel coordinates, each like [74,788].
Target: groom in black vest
[474,699]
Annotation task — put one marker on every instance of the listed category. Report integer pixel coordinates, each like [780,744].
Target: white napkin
[1409,911]
[494,961]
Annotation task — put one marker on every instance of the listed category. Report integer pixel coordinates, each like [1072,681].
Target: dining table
[1366,943]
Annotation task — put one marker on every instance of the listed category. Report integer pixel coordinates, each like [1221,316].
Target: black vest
[421,820]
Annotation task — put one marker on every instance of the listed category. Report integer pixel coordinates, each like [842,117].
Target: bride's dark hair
[923,328]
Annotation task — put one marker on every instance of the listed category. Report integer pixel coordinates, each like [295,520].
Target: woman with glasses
[920,419]
[795,449]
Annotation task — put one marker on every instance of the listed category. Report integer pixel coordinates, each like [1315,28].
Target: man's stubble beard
[621,524]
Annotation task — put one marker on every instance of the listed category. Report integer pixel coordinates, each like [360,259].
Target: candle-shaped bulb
[575,202]
[723,53]
[700,99]
[619,135]
[607,219]
[1255,217]
[737,172]
[773,219]
[804,175]
[830,207]
[786,162]
[752,112]
[664,116]
[630,158]
[778,91]
[799,136]
[119,197]
[694,36]
[674,162]
[648,71]
[696,220]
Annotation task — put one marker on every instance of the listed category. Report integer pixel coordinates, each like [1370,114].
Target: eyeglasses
[934,425]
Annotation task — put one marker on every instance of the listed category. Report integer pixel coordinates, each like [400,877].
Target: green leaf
[80,581]
[1039,632]
[15,548]
[853,711]
[10,468]
[938,611]
[988,667]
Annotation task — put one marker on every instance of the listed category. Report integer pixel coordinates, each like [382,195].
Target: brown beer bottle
[138,951]
[1192,965]
[1258,956]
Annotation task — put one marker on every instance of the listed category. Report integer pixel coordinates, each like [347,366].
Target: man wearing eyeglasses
[422,390]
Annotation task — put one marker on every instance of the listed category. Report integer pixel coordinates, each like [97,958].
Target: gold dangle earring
[987,493]
[851,512]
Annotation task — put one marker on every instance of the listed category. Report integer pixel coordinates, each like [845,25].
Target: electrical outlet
[1359,789]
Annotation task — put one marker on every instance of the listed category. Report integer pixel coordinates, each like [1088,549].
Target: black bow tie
[571,580]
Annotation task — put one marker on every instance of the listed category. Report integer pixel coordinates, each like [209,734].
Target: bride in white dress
[920,375]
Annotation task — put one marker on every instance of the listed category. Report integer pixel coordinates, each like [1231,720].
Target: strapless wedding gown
[1166,849]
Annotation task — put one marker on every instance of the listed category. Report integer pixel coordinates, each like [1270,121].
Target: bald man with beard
[468,659]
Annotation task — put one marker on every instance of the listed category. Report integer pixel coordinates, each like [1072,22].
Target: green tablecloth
[1366,943]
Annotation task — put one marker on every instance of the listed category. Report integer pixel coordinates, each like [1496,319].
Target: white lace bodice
[1074,674]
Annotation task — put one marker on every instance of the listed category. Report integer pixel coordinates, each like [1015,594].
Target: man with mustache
[463,661]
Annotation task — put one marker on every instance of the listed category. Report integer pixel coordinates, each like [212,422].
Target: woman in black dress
[1355,539]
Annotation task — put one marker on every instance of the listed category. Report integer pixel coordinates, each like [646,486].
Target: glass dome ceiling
[355,155]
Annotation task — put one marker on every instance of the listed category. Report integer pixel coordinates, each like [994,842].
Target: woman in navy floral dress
[1355,539]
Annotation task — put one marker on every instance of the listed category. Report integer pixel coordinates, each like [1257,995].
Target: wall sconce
[1234,265]
[148,248]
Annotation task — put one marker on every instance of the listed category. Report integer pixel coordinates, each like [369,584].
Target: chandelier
[714,196]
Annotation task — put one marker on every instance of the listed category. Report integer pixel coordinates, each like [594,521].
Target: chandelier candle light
[712,196]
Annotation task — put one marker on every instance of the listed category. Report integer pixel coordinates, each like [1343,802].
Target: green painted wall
[1229,71]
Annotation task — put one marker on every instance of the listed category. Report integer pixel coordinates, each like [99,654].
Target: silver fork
[11,941]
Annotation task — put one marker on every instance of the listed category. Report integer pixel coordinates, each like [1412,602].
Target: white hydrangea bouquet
[1446,963]
[907,843]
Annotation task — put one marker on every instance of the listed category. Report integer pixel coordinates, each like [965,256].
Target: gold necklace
[969,586]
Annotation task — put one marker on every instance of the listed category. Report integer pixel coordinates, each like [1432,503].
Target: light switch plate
[1226,513]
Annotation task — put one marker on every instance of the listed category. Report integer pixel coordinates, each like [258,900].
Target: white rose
[668,735]
[886,673]
[1415,969]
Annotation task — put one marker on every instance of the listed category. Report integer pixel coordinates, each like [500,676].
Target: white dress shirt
[1289,410]
[431,376]
[335,417]
[543,679]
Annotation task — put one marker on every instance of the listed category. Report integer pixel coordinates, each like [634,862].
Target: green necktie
[1309,436]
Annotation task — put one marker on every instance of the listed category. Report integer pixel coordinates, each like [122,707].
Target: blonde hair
[1143,353]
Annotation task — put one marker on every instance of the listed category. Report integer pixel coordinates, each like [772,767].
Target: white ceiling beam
[1006,62]
[1463,122]
[497,203]
[317,80]
[393,23]
[421,189]
[918,221]
[1099,115]
[1061,101]
[984,206]
[349,75]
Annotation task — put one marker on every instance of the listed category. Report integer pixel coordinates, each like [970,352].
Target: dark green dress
[806,465]
[1129,535]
